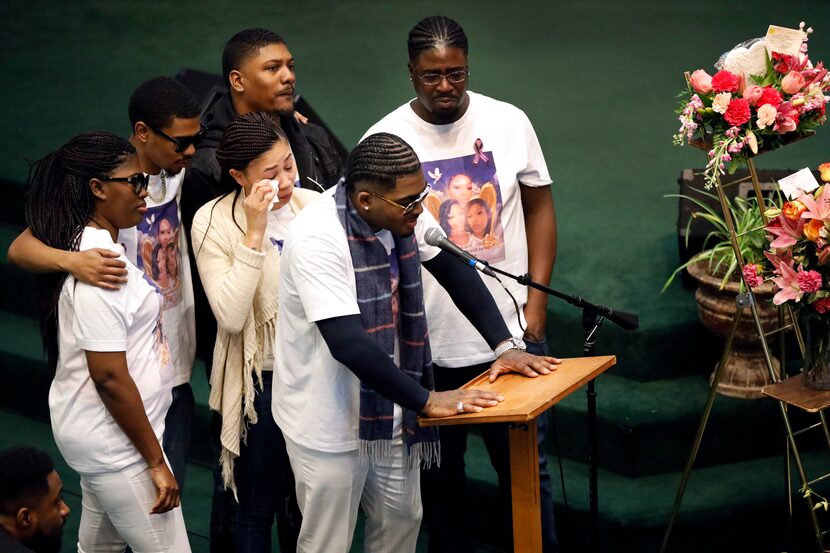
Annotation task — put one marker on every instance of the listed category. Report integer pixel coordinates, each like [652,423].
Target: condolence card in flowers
[798,183]
[783,40]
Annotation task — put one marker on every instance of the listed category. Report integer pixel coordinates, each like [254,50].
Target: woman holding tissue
[237,240]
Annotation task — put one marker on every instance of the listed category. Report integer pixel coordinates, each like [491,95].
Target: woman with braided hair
[113,378]
[237,240]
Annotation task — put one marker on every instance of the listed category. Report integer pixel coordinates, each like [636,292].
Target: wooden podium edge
[484,418]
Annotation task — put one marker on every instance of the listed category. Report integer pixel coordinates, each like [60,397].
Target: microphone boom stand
[592,317]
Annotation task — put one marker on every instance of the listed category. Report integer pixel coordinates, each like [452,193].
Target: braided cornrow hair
[245,139]
[381,159]
[59,204]
[437,31]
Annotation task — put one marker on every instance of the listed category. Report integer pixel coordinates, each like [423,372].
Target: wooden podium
[524,400]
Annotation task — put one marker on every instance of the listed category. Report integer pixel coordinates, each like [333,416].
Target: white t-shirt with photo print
[94,319]
[158,247]
[495,146]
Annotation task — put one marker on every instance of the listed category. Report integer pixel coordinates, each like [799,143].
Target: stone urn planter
[746,372]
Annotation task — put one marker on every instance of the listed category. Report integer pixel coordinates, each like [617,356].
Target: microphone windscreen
[433,236]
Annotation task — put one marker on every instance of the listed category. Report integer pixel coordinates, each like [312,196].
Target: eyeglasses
[184,142]
[453,77]
[140,181]
[408,208]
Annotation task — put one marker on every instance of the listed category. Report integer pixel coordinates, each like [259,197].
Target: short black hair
[437,31]
[23,477]
[380,159]
[244,45]
[158,100]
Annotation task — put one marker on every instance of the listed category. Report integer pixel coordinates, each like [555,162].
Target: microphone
[434,237]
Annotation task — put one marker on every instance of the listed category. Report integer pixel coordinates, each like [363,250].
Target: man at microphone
[354,367]
[491,188]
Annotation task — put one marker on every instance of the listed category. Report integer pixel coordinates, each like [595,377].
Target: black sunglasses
[408,208]
[184,142]
[140,181]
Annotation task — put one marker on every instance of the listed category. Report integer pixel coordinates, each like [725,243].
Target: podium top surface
[526,398]
[793,391]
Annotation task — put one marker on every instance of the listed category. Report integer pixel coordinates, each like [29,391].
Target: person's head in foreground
[32,511]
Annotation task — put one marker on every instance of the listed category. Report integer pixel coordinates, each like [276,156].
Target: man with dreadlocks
[477,148]
[354,369]
[165,129]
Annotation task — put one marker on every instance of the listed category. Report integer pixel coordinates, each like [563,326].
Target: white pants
[330,486]
[116,513]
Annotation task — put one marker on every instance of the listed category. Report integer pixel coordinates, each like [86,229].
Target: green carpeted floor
[598,80]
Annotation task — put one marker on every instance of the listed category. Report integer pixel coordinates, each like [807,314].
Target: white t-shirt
[316,399]
[275,231]
[158,246]
[94,319]
[277,225]
[495,147]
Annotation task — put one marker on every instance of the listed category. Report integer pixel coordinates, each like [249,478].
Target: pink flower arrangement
[798,251]
[733,117]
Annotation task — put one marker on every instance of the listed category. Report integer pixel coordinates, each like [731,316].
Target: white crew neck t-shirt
[474,167]
[315,398]
[94,319]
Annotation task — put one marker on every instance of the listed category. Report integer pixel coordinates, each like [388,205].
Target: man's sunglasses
[140,181]
[408,208]
[184,142]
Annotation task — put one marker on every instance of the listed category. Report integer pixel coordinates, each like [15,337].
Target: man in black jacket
[259,71]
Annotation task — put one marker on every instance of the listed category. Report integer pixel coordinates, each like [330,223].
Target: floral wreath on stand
[736,114]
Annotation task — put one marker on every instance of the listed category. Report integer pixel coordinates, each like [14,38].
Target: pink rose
[701,81]
[738,112]
[725,81]
[752,94]
[793,82]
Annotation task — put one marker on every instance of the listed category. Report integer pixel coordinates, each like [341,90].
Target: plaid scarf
[374,296]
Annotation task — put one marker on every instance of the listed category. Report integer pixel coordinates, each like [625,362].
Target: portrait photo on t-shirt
[466,201]
[158,251]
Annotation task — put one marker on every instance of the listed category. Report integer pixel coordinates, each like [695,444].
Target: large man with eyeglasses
[491,195]
[165,130]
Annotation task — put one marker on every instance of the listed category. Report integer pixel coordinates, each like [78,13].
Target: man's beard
[286,112]
[41,543]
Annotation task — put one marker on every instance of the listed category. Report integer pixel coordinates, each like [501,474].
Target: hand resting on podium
[517,361]
[453,402]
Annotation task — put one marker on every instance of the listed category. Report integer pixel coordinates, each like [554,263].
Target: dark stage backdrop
[598,80]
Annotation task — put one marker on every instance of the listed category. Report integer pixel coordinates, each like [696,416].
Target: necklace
[163,189]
